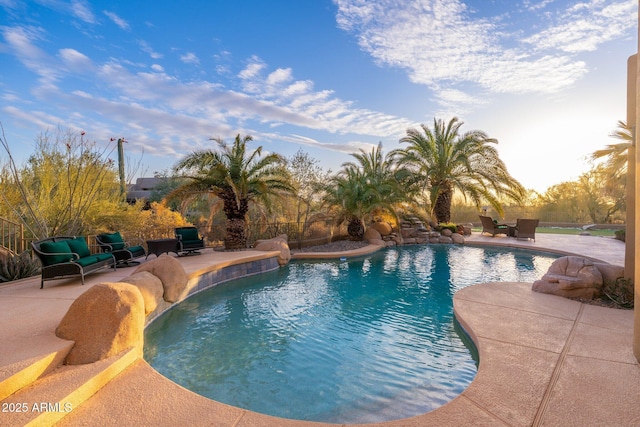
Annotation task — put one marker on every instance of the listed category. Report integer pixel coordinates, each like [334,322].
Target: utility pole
[123,187]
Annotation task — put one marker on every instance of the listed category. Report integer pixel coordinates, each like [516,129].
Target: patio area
[544,360]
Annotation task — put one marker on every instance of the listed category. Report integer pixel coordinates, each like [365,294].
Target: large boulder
[278,243]
[104,321]
[457,238]
[150,287]
[172,275]
[407,232]
[572,277]
[372,234]
[382,227]
[610,273]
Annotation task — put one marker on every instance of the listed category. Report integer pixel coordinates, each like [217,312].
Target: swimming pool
[366,340]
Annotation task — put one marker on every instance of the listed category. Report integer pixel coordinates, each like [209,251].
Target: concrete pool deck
[544,360]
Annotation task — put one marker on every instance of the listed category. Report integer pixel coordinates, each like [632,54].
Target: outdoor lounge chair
[488,226]
[65,256]
[526,228]
[189,240]
[123,252]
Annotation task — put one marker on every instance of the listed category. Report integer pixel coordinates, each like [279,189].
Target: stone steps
[26,364]
[52,396]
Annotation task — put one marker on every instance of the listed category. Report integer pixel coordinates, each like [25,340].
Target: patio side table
[161,246]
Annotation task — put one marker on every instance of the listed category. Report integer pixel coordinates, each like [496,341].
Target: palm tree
[362,187]
[446,160]
[617,154]
[237,178]
[615,166]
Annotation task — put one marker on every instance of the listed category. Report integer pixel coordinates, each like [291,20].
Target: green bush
[14,267]
[620,234]
[620,292]
[448,225]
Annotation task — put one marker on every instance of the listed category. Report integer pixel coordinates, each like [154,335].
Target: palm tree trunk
[355,229]
[236,237]
[442,207]
[235,212]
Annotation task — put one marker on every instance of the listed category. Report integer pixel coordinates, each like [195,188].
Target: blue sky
[546,78]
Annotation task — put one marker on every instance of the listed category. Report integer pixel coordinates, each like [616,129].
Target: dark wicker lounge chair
[488,226]
[189,240]
[122,251]
[526,228]
[65,256]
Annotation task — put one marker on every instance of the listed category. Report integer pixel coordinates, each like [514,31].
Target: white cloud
[190,58]
[443,44]
[74,59]
[117,20]
[158,68]
[148,49]
[21,41]
[297,102]
[586,26]
[80,9]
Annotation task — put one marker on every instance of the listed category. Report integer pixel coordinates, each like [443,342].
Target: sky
[546,78]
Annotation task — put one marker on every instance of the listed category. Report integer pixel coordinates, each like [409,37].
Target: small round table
[161,246]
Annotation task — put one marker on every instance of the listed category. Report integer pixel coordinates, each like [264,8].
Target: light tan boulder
[150,287]
[610,273]
[104,321]
[172,275]
[278,243]
[371,234]
[445,239]
[378,242]
[446,232]
[572,277]
[382,227]
[457,238]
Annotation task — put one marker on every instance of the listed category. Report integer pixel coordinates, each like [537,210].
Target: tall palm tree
[447,160]
[371,183]
[616,164]
[616,154]
[238,178]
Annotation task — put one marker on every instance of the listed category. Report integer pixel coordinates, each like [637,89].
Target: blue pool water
[363,340]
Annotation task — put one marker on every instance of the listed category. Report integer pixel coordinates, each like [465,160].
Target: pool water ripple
[367,340]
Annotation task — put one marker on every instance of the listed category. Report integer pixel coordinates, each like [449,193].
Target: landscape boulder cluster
[110,317]
[412,232]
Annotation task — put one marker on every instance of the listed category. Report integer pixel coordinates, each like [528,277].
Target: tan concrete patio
[544,360]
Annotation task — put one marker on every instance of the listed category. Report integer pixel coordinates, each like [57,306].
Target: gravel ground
[338,246]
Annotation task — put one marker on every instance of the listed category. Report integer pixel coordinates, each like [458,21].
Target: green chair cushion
[79,246]
[192,242]
[103,256]
[86,261]
[136,250]
[93,259]
[61,248]
[188,234]
[115,239]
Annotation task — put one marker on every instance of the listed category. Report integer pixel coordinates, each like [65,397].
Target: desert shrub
[14,267]
[448,226]
[317,229]
[620,292]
